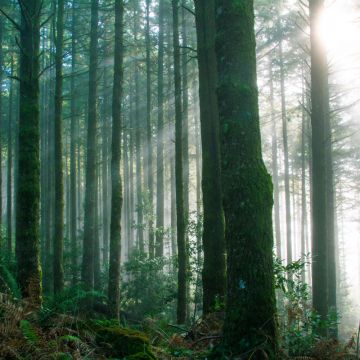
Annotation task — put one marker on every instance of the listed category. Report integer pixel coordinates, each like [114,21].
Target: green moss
[122,342]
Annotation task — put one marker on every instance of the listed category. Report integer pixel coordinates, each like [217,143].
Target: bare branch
[17,26]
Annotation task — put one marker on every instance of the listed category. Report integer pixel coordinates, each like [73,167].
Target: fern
[28,332]
[7,281]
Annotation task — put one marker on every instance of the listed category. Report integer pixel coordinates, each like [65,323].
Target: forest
[179,179]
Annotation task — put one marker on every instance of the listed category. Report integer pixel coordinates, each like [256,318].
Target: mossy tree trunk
[87,274]
[247,190]
[182,264]
[28,186]
[59,183]
[214,227]
[116,185]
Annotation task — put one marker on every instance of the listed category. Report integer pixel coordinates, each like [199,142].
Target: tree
[73,139]
[59,184]
[159,245]
[150,184]
[28,186]
[247,190]
[91,182]
[116,197]
[214,230]
[323,239]
[180,216]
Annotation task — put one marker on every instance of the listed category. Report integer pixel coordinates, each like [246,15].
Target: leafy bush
[303,329]
[147,289]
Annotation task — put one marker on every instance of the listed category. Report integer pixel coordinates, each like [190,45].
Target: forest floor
[29,334]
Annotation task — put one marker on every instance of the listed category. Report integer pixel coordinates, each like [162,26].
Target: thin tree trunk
[10,162]
[90,205]
[286,157]
[160,197]
[180,215]
[275,166]
[73,139]
[116,184]
[150,182]
[59,181]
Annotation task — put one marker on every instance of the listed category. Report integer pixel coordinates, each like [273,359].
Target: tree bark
[214,227]
[59,182]
[28,190]
[247,189]
[160,197]
[180,216]
[87,274]
[116,184]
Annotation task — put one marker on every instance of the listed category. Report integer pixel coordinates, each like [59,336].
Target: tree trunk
[1,109]
[214,227]
[247,189]
[275,167]
[322,183]
[286,157]
[73,140]
[59,183]
[10,162]
[182,301]
[150,182]
[116,197]
[90,205]
[160,200]
[28,191]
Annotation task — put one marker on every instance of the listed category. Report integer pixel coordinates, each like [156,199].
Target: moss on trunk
[247,189]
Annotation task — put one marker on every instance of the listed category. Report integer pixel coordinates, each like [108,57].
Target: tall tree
[180,216]
[73,139]
[149,153]
[160,198]
[28,183]
[323,240]
[90,204]
[10,160]
[59,183]
[247,190]
[116,197]
[1,110]
[286,155]
[214,227]
[275,167]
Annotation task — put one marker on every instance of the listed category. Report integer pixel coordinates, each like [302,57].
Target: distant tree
[250,318]
[59,184]
[159,245]
[91,182]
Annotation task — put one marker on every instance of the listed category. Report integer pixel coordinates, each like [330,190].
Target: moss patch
[121,342]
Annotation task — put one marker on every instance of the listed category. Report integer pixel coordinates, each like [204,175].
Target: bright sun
[340,32]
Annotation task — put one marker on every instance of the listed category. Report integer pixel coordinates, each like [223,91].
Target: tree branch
[17,26]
